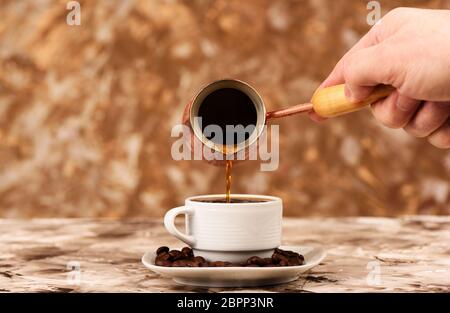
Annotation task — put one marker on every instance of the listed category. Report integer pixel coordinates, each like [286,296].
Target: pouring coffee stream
[228,168]
[233,102]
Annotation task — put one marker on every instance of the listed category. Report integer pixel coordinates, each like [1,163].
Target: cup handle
[169,223]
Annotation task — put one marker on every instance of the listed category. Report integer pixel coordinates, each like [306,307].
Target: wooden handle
[331,101]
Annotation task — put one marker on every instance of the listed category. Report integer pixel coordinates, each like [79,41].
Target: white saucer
[238,276]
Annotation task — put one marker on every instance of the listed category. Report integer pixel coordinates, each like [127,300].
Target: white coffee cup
[229,231]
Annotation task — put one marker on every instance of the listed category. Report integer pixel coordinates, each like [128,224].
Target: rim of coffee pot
[244,87]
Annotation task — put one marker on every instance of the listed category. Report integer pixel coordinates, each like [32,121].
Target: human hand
[410,50]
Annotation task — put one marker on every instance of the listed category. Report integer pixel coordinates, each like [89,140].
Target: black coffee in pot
[228,106]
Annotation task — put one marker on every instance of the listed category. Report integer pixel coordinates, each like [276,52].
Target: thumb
[356,93]
[366,68]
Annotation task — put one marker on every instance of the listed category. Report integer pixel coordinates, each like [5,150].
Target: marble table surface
[408,254]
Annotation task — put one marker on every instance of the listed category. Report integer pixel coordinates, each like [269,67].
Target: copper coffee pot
[326,102]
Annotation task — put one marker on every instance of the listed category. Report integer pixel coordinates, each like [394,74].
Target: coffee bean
[200,259]
[255,260]
[187,252]
[163,256]
[161,250]
[176,255]
[193,262]
[286,253]
[186,258]
[278,257]
[295,261]
[302,259]
[180,263]
[278,251]
[219,264]
[215,263]
[163,263]
[291,254]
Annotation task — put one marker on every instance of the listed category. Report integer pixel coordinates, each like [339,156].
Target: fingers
[357,93]
[369,67]
[395,111]
[430,117]
[441,137]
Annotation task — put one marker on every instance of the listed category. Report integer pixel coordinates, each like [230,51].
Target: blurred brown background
[86,111]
